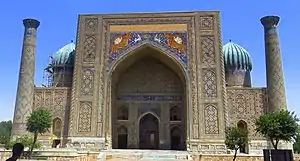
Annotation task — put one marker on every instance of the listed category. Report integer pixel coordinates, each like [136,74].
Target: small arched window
[57,127]
[242,125]
[123,113]
[175,113]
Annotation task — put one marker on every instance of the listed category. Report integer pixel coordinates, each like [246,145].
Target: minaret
[275,78]
[24,99]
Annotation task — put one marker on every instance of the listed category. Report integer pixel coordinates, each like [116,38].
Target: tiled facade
[165,65]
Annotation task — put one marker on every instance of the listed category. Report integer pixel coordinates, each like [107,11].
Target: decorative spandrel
[174,43]
[85,117]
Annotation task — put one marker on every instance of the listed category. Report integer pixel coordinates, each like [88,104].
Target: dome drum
[62,66]
[238,65]
[238,78]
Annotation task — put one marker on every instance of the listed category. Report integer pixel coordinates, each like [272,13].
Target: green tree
[235,138]
[5,131]
[296,145]
[278,125]
[26,140]
[39,122]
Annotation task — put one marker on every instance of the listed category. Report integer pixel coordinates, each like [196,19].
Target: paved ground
[145,155]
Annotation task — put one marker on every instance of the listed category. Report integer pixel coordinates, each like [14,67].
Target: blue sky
[240,22]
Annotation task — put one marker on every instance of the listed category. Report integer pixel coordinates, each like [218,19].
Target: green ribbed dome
[236,57]
[64,56]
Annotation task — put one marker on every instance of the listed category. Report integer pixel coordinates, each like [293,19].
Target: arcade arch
[148,96]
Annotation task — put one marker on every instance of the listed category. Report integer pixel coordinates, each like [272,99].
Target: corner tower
[25,90]
[275,78]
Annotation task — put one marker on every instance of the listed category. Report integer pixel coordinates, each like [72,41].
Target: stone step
[143,155]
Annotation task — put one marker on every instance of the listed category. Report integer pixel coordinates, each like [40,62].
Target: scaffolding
[58,75]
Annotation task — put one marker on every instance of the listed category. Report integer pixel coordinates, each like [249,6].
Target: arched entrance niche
[148,131]
[147,84]
[242,125]
[56,131]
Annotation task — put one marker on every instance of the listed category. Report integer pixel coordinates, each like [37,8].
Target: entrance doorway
[147,76]
[242,125]
[122,137]
[149,132]
[176,139]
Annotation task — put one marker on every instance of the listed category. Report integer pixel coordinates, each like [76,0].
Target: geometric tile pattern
[54,99]
[87,85]
[85,117]
[24,100]
[246,105]
[208,50]
[207,23]
[275,78]
[211,119]
[241,108]
[209,83]
[89,50]
[91,24]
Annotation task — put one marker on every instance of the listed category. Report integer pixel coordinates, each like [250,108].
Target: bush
[26,140]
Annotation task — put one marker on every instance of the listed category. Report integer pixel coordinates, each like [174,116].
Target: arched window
[122,113]
[175,113]
[243,126]
[57,127]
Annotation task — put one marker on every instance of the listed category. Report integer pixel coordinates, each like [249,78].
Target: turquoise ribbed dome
[64,56]
[236,57]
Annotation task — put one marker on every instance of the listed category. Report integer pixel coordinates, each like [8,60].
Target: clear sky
[239,18]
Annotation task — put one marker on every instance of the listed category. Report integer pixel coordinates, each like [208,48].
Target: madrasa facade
[150,81]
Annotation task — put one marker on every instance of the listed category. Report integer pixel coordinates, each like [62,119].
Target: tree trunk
[235,152]
[276,144]
[33,144]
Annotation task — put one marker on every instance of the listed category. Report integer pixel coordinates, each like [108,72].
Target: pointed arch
[148,113]
[123,113]
[57,127]
[175,113]
[149,131]
[136,56]
[241,124]
[176,138]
